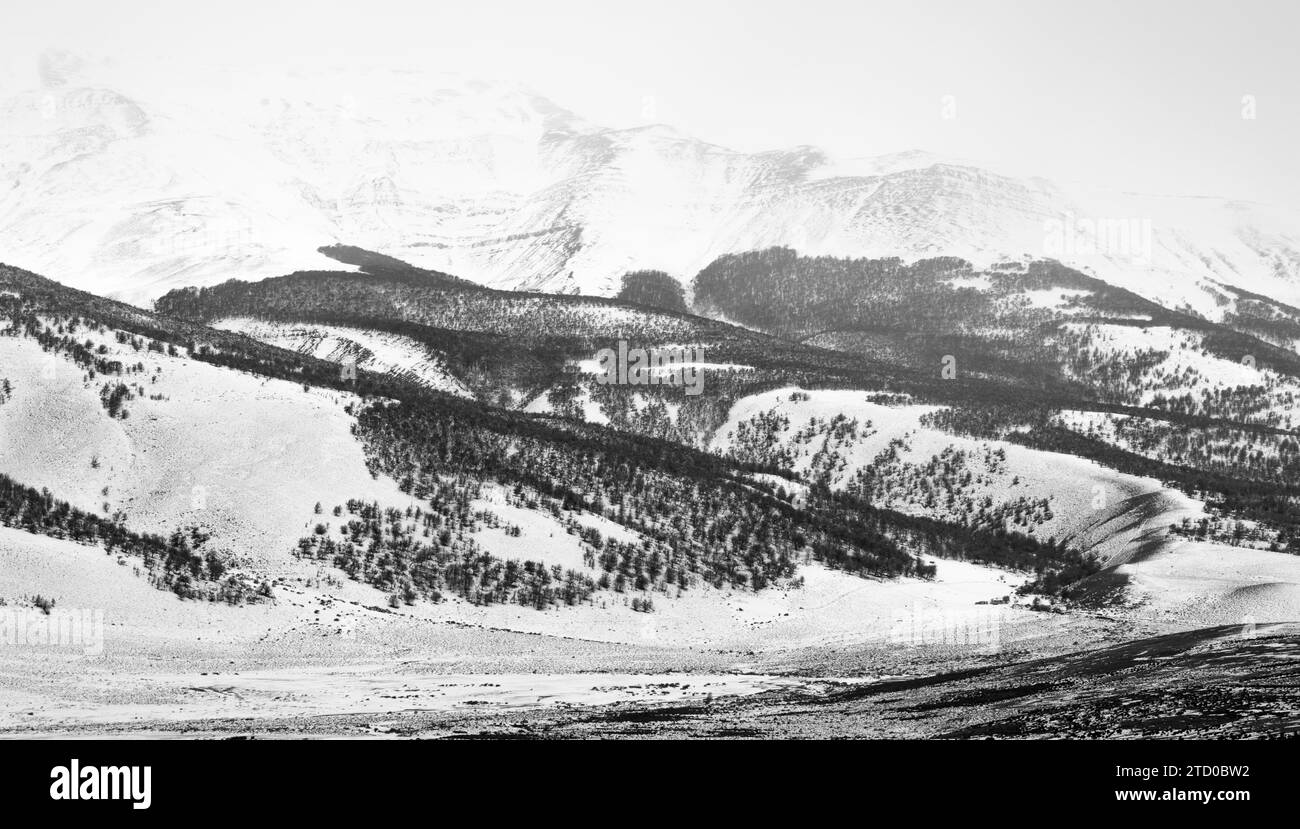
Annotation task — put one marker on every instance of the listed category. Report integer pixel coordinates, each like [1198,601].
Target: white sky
[1132,94]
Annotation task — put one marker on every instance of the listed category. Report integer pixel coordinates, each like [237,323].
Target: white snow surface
[116,182]
[1123,519]
[375,351]
[243,456]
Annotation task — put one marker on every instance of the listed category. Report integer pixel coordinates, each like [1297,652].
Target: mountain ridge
[132,191]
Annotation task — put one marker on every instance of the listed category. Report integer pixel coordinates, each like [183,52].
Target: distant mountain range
[115,183]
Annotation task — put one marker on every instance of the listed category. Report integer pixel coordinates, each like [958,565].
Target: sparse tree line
[702,525]
[945,486]
[699,519]
[1234,532]
[761,440]
[942,488]
[1220,448]
[176,563]
[1150,378]
[57,335]
[1240,471]
[1276,505]
[427,552]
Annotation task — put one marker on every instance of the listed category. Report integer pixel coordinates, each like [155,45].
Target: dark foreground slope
[1218,683]
[1215,683]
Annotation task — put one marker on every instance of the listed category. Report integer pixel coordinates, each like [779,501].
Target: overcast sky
[1130,94]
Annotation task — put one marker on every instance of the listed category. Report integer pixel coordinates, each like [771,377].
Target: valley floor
[840,657]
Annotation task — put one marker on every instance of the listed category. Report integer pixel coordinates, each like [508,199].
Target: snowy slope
[247,458]
[113,180]
[1072,498]
[1122,518]
[374,351]
[242,456]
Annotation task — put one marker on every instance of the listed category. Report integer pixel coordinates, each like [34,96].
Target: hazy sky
[1133,94]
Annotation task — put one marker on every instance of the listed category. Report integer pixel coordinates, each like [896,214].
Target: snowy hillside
[842,439]
[114,184]
[244,457]
[373,351]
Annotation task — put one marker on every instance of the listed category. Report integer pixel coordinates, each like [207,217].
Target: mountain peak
[117,182]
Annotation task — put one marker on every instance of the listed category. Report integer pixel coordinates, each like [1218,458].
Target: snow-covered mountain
[130,182]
